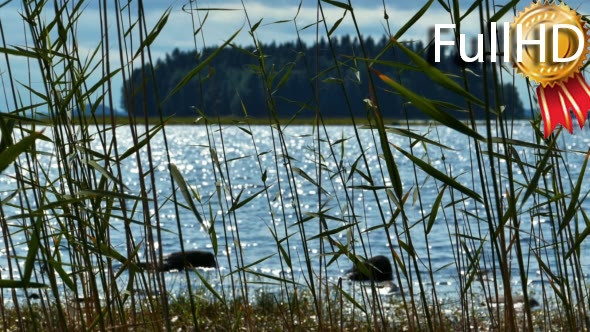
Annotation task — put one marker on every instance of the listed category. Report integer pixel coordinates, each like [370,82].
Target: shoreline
[229,120]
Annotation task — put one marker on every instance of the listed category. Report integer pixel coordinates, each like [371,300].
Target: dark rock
[517,300]
[176,261]
[533,303]
[378,268]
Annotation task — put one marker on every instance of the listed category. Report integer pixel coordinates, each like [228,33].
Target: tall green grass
[67,215]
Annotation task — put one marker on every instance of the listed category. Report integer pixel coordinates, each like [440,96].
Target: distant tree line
[301,78]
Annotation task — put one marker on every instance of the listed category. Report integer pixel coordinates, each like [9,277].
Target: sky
[219,25]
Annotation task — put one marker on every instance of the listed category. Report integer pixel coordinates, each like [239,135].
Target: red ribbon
[556,102]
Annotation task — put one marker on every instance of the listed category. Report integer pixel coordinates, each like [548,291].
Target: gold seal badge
[548,72]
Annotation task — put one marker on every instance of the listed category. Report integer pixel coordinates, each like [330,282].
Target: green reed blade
[574,205]
[179,179]
[434,210]
[11,153]
[190,75]
[426,106]
[440,175]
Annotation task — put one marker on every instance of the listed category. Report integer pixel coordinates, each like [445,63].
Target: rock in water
[517,301]
[378,268]
[175,261]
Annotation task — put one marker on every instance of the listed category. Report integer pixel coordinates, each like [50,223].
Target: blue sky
[220,25]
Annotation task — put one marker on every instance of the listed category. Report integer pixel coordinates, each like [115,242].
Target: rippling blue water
[242,172]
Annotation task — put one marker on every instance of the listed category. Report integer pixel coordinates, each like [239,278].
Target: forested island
[302,78]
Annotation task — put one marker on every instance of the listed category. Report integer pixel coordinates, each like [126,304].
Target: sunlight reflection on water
[190,152]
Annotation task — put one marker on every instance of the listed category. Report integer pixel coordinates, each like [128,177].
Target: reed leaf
[182,185]
[11,152]
[440,175]
[434,211]
[190,75]
[436,75]
[574,205]
[426,106]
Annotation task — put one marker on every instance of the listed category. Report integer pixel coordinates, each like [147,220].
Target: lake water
[237,153]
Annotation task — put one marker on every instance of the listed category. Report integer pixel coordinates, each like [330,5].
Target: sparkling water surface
[247,155]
